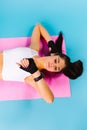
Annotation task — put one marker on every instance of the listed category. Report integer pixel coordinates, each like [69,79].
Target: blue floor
[17,18]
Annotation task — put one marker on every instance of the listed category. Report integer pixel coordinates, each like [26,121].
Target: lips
[48,64]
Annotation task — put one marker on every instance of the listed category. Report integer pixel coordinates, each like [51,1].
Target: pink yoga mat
[10,90]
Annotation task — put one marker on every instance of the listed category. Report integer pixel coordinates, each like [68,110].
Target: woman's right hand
[28,64]
[24,63]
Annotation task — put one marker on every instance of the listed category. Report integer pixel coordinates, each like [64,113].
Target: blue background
[17,18]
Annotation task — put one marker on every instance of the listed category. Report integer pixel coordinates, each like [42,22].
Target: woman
[24,64]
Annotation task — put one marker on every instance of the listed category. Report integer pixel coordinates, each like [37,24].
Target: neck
[39,62]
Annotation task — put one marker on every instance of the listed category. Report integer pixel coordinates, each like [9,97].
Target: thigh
[35,39]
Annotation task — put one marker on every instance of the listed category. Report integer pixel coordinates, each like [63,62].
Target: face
[54,63]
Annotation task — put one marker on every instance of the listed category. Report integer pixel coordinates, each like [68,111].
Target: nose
[54,65]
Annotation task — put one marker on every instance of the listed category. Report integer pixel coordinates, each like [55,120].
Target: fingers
[50,49]
[18,64]
[24,63]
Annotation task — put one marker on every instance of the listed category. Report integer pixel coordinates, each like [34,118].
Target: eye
[55,60]
[55,68]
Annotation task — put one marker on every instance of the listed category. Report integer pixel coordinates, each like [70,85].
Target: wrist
[50,43]
[38,76]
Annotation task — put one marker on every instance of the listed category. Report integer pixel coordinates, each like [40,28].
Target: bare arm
[35,39]
[44,33]
[41,87]
[38,31]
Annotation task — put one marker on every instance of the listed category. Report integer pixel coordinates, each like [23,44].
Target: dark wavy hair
[72,69]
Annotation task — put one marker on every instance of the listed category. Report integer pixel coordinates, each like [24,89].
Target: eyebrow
[58,68]
[58,59]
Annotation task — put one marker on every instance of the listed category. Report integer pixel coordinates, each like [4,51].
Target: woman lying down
[24,64]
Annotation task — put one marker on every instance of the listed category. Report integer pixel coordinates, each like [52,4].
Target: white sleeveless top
[11,71]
